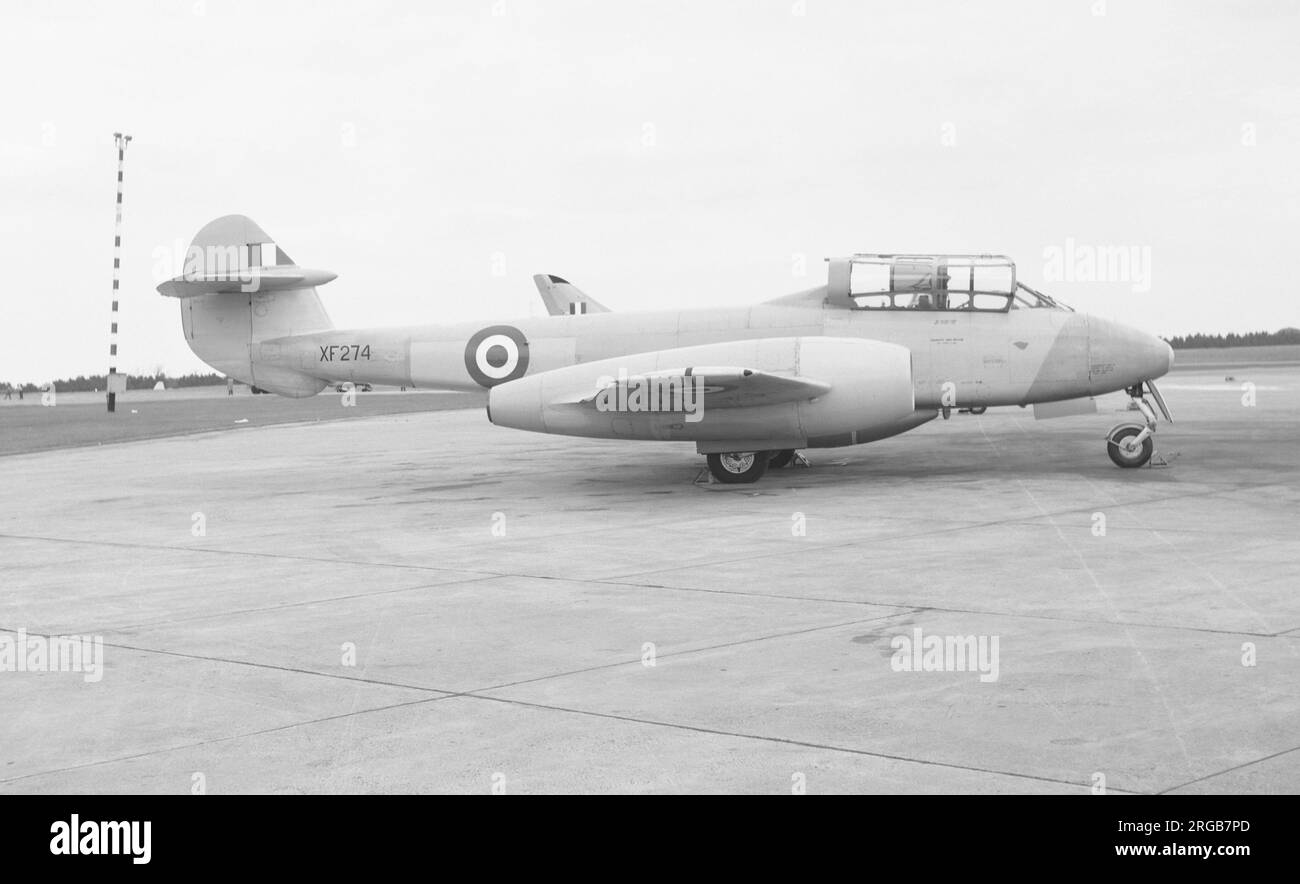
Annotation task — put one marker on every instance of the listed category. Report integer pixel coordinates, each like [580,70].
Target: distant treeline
[1249,339]
[88,384]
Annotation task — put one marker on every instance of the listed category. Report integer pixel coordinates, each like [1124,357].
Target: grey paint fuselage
[1018,357]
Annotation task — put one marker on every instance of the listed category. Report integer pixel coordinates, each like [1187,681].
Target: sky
[660,155]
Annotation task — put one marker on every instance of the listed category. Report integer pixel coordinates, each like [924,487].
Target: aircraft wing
[720,386]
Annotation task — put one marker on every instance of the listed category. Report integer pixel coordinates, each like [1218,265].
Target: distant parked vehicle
[360,388]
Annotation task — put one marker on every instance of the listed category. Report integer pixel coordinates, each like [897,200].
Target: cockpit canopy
[932,282]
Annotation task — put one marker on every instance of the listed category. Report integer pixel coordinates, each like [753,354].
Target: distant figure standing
[230,386]
[9,392]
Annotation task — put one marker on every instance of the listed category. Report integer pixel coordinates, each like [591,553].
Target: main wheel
[780,459]
[1126,455]
[979,409]
[738,467]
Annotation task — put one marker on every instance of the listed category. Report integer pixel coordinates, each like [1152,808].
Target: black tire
[979,409]
[738,467]
[1123,458]
[780,459]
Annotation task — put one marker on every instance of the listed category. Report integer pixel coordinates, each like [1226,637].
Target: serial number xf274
[344,352]
[887,344]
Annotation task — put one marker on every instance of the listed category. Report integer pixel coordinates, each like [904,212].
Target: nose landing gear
[1132,445]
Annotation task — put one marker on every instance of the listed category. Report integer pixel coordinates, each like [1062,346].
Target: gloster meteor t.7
[887,344]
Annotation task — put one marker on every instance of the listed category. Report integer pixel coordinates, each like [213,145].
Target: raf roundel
[496,355]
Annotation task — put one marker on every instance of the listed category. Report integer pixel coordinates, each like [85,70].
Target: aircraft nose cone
[1126,354]
[1152,357]
[1157,358]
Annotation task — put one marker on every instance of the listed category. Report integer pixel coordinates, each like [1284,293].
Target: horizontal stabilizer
[256,279]
[563,298]
[233,254]
[719,387]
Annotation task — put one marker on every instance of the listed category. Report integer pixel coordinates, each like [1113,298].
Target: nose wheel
[1132,445]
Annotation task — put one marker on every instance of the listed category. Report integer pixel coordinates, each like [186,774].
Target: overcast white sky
[658,154]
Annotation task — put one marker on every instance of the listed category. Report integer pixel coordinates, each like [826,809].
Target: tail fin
[238,289]
[563,298]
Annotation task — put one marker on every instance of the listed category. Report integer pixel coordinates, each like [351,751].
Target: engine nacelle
[870,396]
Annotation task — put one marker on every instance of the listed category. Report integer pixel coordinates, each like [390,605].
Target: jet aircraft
[888,343]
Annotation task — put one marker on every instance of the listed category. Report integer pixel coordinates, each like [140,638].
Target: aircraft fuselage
[1018,357]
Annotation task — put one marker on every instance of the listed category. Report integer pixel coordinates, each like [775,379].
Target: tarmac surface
[422,602]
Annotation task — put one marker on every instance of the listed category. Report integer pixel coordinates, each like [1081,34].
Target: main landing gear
[744,467]
[739,467]
[780,459]
[1132,445]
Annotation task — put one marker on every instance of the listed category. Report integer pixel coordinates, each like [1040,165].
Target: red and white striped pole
[113,383]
